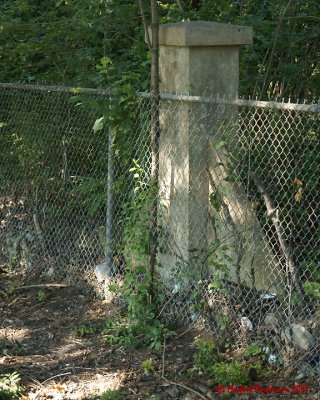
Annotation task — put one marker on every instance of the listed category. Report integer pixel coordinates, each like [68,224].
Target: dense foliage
[101,43]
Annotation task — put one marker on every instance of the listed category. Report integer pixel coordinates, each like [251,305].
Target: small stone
[102,272]
[299,335]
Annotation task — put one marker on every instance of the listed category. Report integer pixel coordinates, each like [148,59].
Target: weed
[85,330]
[148,366]
[41,295]
[209,361]
[10,387]
[132,333]
[253,349]
[228,373]
[110,395]
[141,291]
[10,288]
[9,348]
[206,354]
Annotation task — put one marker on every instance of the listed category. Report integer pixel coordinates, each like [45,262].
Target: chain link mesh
[53,179]
[237,211]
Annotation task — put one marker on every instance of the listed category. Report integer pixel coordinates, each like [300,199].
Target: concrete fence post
[196,58]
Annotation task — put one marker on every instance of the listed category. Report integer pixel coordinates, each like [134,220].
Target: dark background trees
[101,43]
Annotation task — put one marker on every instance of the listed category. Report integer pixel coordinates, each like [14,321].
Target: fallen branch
[207,392]
[56,376]
[273,214]
[43,285]
[184,387]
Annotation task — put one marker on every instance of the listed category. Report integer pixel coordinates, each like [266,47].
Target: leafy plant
[254,349]
[206,354]
[209,361]
[10,387]
[9,347]
[132,334]
[110,395]
[148,366]
[140,291]
[225,373]
[312,289]
[85,330]
[10,288]
[41,295]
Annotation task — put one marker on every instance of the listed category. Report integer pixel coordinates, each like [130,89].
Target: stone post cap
[204,33]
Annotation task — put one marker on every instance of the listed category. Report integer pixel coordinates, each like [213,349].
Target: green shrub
[10,387]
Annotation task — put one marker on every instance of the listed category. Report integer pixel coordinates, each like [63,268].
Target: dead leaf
[298,195]
[59,388]
[297,182]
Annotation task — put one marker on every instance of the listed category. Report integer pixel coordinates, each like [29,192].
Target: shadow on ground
[38,340]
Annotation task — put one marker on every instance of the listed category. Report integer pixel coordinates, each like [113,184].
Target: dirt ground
[38,340]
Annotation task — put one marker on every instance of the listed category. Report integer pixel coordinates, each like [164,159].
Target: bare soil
[38,340]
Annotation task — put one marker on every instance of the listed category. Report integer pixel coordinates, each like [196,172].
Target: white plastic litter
[176,288]
[245,322]
[267,296]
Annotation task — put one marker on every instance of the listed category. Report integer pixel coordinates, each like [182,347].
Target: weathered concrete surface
[204,33]
[201,58]
[235,224]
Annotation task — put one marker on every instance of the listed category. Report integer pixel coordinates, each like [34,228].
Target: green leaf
[253,350]
[219,144]
[98,125]
[214,201]
[312,288]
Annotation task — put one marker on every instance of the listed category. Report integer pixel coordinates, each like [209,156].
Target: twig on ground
[183,333]
[15,300]
[207,392]
[133,391]
[185,387]
[22,372]
[43,285]
[56,376]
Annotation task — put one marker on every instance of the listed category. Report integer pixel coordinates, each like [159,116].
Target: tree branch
[145,25]
[285,9]
[180,6]
[273,214]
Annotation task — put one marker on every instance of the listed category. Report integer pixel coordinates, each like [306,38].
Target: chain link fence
[237,211]
[53,180]
[239,194]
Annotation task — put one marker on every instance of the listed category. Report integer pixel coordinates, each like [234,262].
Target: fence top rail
[58,89]
[313,108]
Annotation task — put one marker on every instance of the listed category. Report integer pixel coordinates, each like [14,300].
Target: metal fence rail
[238,208]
